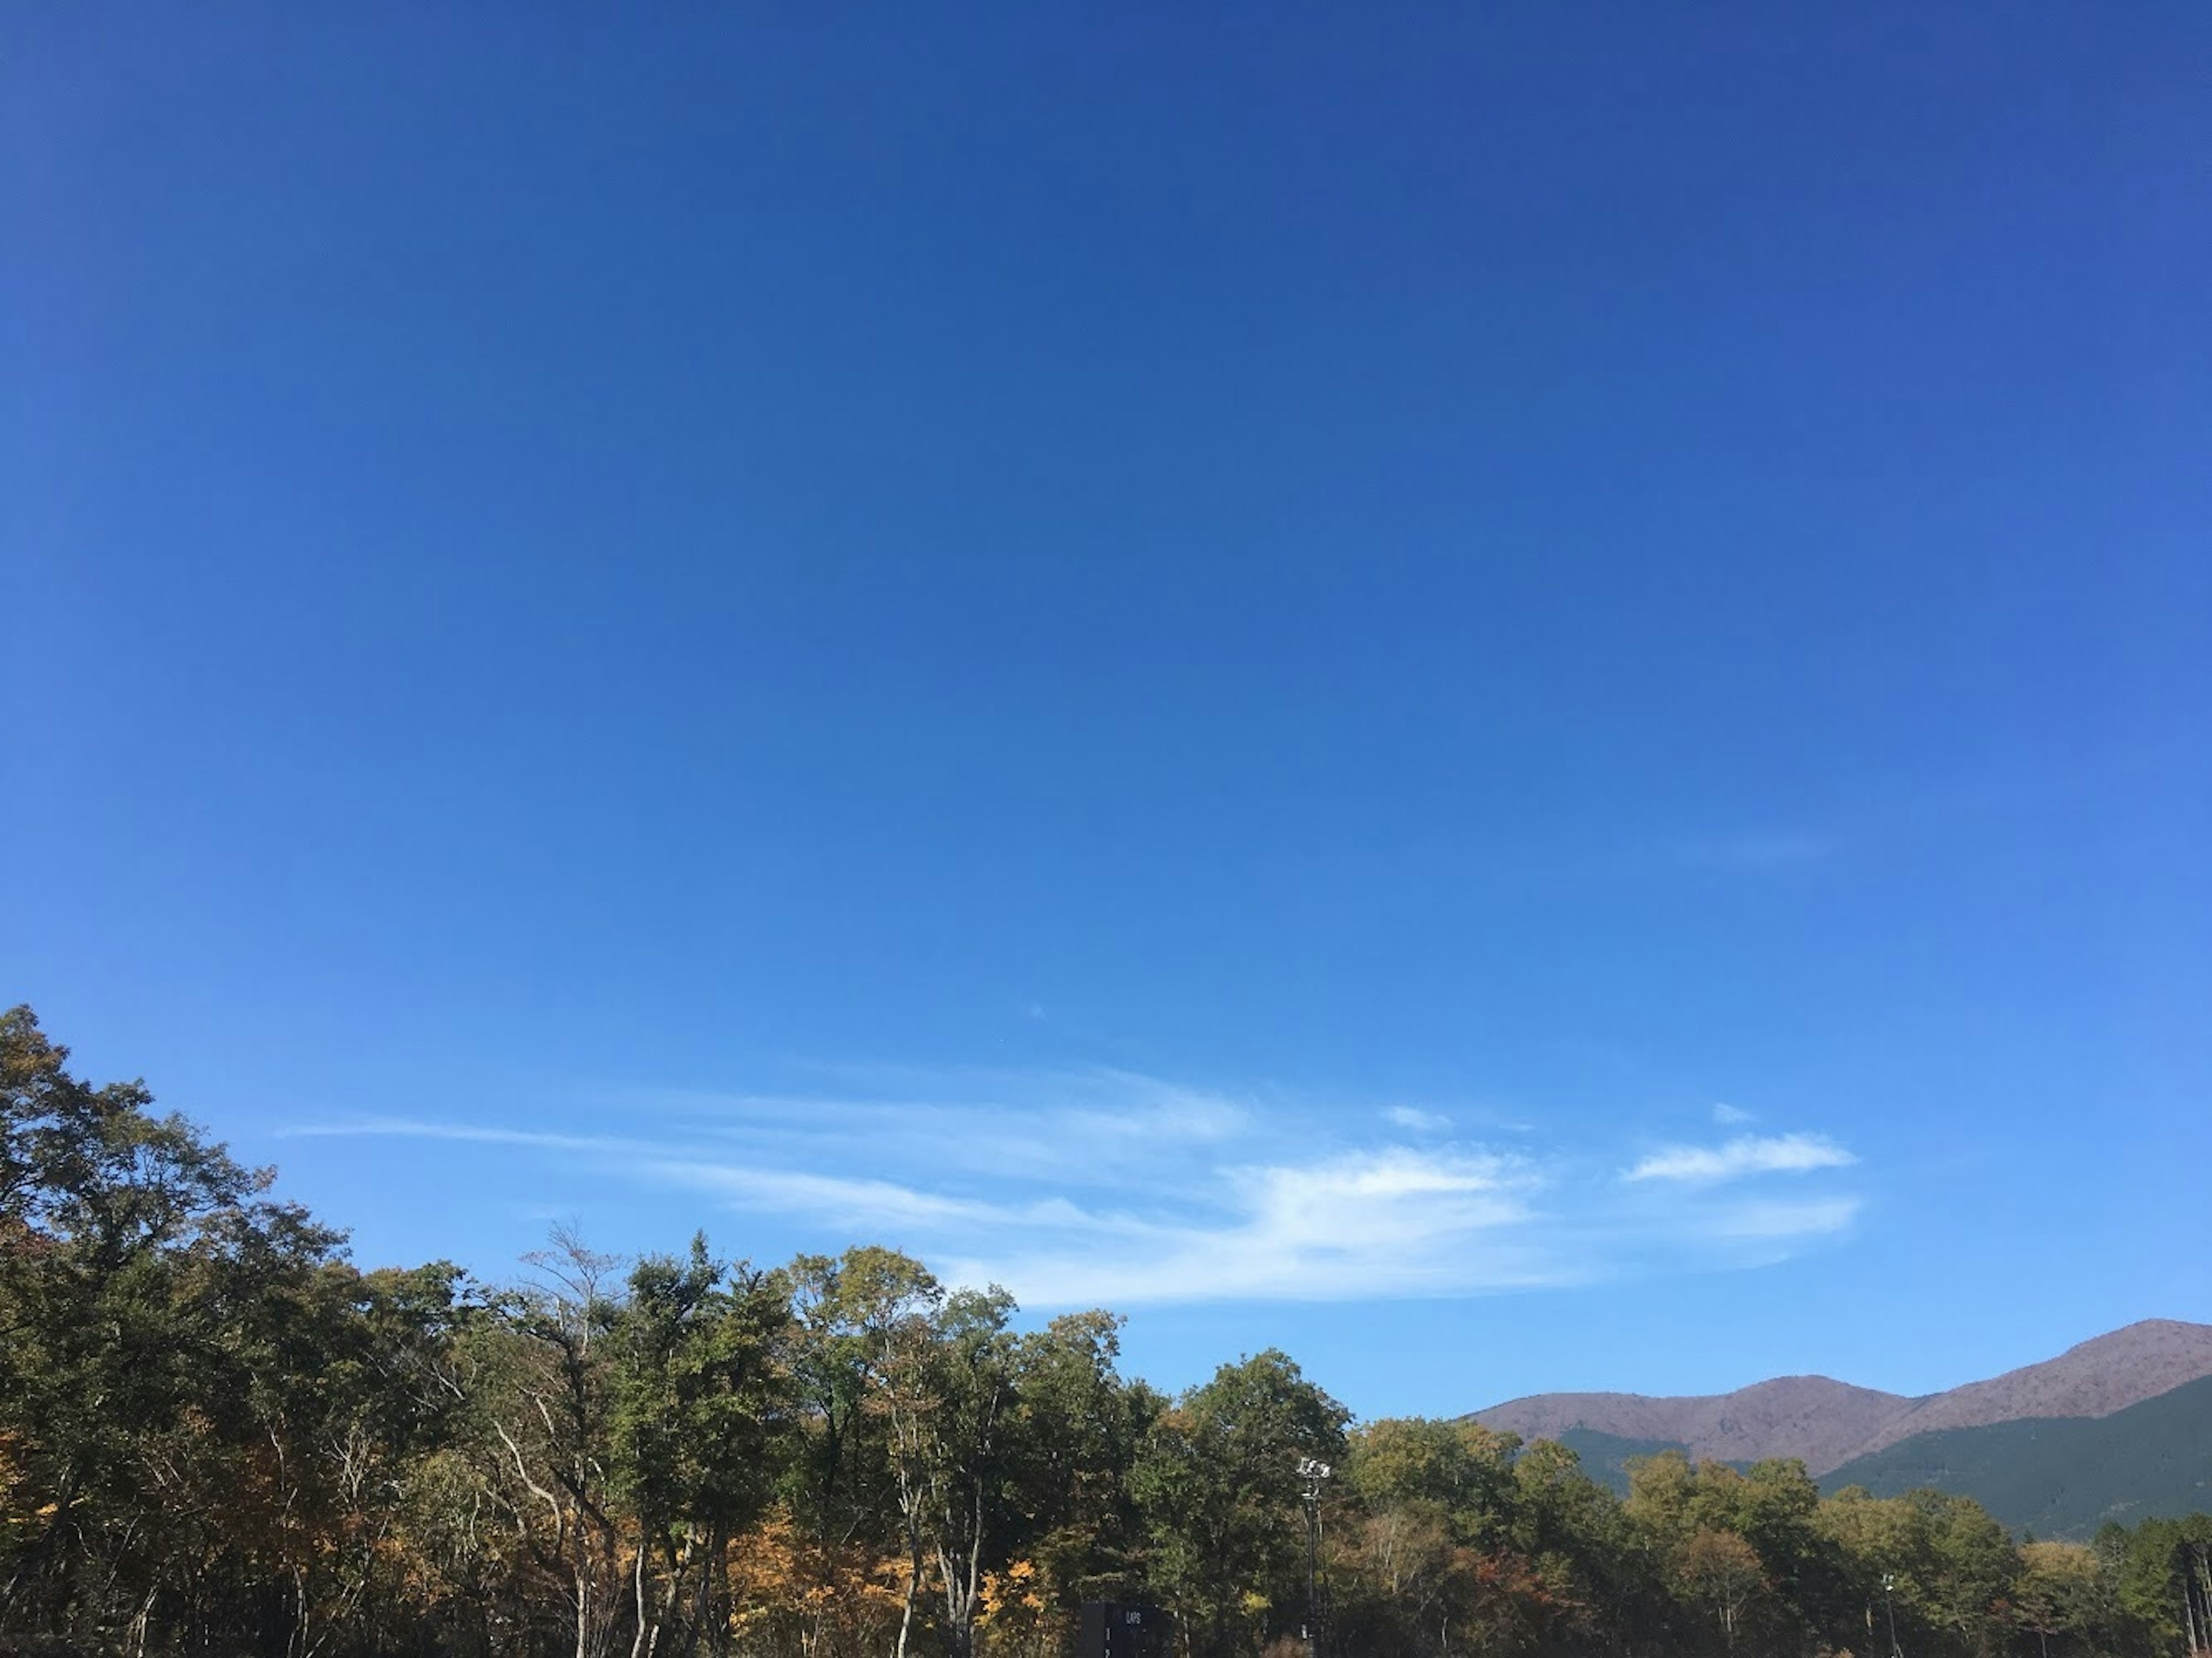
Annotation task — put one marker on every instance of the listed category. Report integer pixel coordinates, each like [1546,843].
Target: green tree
[1218,1488]
[139,1264]
[1968,1577]
[1721,1573]
[1073,1434]
[2064,1595]
[701,1399]
[549,1400]
[2163,1572]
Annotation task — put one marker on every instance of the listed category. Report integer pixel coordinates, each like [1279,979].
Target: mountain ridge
[1826,1423]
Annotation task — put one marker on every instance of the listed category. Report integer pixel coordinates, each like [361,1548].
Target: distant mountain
[2060,1476]
[1827,1423]
[1822,1421]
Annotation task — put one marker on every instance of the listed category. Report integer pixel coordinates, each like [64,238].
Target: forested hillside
[2063,1476]
[1611,1459]
[218,1436]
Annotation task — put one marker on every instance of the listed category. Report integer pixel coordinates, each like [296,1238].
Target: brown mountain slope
[2103,1375]
[1813,1417]
[1826,1423]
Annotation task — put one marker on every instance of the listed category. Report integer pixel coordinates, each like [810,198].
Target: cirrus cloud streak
[1090,1188]
[1748,1154]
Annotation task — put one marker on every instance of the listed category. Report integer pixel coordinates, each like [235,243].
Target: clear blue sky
[1520,696]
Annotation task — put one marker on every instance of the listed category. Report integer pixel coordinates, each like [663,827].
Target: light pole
[1313,1472]
[1889,1606]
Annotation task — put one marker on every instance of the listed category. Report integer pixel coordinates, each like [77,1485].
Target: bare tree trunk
[962,1581]
[906,1433]
[913,1590]
[139,1624]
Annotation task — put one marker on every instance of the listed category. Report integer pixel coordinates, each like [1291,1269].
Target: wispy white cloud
[1777,1154]
[479,1134]
[1729,1115]
[1104,1187]
[846,1201]
[1420,1121]
[1388,1222]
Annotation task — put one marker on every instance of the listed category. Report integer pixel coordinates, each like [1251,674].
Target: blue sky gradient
[1517,697]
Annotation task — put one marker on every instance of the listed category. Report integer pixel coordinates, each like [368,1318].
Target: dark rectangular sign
[1116,1628]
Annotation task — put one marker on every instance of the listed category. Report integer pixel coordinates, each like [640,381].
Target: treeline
[216,1435]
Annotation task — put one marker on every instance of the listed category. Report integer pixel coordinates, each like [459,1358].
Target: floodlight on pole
[1315,1473]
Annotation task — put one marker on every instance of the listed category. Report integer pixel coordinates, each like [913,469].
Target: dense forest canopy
[218,1436]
